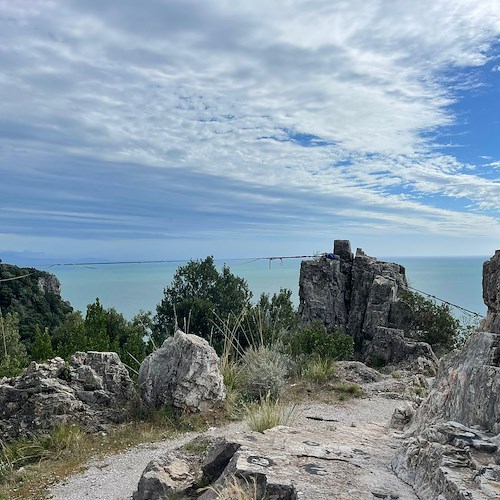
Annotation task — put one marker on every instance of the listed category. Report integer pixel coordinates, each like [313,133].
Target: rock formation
[358,295]
[183,373]
[283,463]
[452,446]
[92,390]
[491,293]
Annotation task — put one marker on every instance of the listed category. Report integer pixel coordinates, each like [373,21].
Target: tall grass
[270,413]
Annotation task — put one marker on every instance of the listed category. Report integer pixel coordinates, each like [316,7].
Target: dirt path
[359,424]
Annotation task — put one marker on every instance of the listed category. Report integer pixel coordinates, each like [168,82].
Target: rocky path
[356,428]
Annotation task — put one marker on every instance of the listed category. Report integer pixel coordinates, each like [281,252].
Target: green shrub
[264,371]
[430,322]
[315,340]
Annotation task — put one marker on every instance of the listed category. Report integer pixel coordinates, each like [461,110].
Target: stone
[360,296]
[93,390]
[183,373]
[491,293]
[402,416]
[283,463]
[390,346]
[451,451]
[356,372]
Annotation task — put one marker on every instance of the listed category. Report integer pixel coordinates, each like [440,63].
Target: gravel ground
[360,422]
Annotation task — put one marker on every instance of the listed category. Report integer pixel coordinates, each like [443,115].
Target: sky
[183,128]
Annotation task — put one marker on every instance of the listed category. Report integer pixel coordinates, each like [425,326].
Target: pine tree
[42,346]
[12,353]
[96,333]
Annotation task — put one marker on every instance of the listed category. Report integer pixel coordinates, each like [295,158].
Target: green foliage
[430,322]
[198,295]
[264,371]
[271,318]
[96,328]
[13,356]
[42,346]
[315,340]
[69,336]
[35,304]
[319,369]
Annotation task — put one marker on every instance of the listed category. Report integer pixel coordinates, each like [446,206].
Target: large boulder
[93,390]
[389,346]
[183,373]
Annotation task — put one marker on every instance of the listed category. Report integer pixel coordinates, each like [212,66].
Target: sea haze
[132,287]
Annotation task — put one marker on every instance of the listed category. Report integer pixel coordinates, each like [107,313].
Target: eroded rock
[92,390]
[183,373]
[359,296]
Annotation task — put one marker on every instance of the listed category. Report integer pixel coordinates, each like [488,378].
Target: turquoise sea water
[130,288]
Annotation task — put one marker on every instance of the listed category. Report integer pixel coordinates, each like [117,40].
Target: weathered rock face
[491,293]
[359,296]
[452,452]
[183,373]
[389,346]
[92,390]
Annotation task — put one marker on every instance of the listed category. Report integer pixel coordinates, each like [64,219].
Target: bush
[430,322]
[264,370]
[315,340]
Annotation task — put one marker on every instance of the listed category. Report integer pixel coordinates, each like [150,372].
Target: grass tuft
[236,489]
[319,369]
[270,413]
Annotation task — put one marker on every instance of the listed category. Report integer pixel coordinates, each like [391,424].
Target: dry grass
[29,479]
[237,489]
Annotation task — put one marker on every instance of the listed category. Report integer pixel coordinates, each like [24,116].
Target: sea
[130,288]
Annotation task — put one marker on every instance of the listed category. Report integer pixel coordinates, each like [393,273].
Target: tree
[198,296]
[13,352]
[42,346]
[430,322]
[69,337]
[96,332]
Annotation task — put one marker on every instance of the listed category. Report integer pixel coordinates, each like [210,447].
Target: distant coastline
[130,288]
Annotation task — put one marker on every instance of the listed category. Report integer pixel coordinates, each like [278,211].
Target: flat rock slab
[340,463]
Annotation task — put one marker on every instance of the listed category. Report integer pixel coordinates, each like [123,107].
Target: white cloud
[228,89]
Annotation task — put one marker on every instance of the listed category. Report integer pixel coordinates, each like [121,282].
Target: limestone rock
[183,373]
[467,386]
[491,293]
[353,294]
[93,391]
[390,346]
[451,462]
[283,463]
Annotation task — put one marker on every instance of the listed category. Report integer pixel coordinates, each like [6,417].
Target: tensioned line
[249,261]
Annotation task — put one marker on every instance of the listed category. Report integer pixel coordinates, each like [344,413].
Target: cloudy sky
[180,128]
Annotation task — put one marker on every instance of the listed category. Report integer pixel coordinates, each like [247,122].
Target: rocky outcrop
[92,390]
[491,293]
[451,450]
[389,346]
[48,283]
[183,373]
[358,295]
[283,463]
